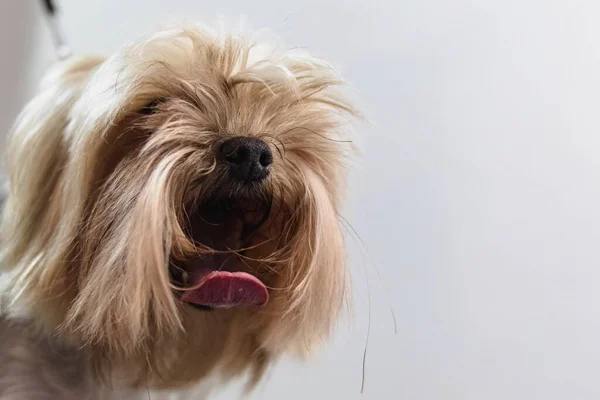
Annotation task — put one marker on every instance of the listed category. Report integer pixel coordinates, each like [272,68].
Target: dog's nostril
[266,159]
[249,159]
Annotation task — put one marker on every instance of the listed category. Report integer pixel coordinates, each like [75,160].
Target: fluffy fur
[107,166]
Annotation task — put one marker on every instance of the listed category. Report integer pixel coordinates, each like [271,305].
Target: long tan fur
[99,193]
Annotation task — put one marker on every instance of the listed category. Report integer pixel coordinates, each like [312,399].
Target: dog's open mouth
[219,277]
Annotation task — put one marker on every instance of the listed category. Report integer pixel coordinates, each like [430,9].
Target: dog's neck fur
[34,366]
[38,366]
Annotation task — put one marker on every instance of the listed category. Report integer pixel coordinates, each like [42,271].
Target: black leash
[62,48]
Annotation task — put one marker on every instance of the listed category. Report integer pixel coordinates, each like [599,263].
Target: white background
[478,195]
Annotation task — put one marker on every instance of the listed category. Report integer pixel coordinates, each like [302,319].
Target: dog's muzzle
[248,159]
[225,224]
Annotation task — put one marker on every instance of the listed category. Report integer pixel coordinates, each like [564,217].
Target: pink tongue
[227,289]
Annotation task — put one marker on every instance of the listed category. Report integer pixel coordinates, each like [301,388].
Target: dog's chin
[219,274]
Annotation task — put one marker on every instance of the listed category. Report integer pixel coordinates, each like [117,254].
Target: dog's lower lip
[201,307]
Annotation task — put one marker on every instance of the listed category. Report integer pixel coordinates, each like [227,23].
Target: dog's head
[174,209]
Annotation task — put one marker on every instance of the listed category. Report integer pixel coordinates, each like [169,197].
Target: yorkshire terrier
[171,219]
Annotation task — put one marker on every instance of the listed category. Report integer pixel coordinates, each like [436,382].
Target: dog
[171,219]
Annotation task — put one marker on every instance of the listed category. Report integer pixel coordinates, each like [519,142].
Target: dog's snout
[249,159]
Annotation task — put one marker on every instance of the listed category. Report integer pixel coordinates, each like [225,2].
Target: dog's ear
[37,152]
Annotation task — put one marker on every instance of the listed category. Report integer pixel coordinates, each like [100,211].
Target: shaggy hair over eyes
[109,167]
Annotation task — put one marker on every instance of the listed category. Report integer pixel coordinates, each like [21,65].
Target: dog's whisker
[354,234]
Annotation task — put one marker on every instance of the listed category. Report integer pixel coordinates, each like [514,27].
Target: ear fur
[37,153]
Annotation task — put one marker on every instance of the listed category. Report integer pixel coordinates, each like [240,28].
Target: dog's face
[174,209]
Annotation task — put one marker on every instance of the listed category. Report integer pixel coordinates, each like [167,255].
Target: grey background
[477,196]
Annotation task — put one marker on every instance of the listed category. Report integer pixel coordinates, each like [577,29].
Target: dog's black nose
[249,159]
